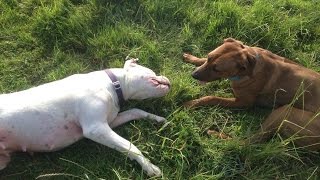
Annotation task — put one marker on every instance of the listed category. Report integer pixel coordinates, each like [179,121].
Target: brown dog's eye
[242,67]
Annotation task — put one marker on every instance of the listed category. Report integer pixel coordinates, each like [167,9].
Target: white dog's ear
[130,63]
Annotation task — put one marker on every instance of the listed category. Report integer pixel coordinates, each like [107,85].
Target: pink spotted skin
[31,124]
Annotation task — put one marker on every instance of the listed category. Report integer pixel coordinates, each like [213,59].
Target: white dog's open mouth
[160,81]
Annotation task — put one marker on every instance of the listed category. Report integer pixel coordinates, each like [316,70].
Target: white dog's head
[143,83]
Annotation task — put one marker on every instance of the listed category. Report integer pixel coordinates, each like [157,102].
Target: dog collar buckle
[117,86]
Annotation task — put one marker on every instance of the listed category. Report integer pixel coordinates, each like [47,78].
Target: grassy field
[43,41]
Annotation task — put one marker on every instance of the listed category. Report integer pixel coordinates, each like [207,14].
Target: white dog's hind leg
[133,114]
[103,134]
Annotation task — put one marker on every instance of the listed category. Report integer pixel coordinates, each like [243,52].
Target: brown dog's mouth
[203,82]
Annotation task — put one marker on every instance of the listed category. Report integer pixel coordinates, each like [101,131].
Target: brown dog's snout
[195,74]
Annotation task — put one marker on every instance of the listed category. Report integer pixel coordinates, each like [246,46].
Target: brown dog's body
[262,78]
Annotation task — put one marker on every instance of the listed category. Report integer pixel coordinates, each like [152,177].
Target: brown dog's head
[230,59]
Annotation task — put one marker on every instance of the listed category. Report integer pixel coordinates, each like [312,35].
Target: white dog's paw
[153,170]
[159,119]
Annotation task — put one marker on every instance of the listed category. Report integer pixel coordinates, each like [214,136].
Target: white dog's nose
[165,81]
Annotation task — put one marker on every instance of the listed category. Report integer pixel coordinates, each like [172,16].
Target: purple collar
[117,86]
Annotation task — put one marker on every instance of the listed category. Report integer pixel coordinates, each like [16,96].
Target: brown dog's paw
[188,57]
[221,135]
[190,104]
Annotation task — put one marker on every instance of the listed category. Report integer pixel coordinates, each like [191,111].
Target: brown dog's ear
[251,59]
[247,65]
[234,40]
[229,40]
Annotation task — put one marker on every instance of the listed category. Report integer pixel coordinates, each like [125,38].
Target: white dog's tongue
[202,82]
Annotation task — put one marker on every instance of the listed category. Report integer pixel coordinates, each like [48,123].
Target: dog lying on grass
[55,115]
[259,77]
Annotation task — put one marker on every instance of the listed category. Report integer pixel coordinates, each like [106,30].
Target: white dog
[55,115]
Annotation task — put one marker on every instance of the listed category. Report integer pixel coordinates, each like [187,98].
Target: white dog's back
[44,118]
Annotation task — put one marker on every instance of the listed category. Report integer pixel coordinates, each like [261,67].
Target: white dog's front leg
[133,114]
[103,134]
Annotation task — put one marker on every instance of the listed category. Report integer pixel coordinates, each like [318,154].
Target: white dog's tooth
[51,146]
[2,146]
[24,148]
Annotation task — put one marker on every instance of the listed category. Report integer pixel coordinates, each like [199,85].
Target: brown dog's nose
[195,74]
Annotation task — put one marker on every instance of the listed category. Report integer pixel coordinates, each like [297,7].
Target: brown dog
[259,77]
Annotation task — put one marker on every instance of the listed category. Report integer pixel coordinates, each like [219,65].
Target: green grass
[42,41]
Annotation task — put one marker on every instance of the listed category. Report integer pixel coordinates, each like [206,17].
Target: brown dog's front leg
[224,102]
[193,59]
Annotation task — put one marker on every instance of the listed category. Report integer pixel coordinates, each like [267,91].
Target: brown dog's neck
[252,57]
[244,81]
[264,67]
[274,57]
[258,75]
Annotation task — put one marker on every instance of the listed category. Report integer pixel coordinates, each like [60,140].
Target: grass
[42,41]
